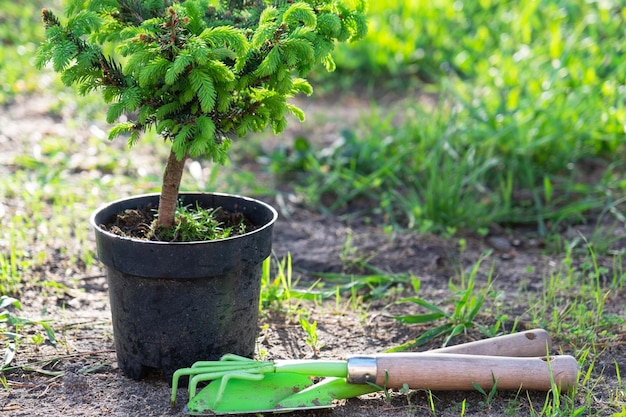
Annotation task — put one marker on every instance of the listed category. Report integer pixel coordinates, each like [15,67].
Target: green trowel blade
[322,394]
[242,396]
[279,392]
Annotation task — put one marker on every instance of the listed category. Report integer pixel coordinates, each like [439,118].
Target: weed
[191,224]
[280,295]
[10,272]
[12,325]
[310,328]
[37,339]
[513,406]
[375,285]
[568,294]
[431,403]
[620,390]
[468,303]
[197,224]
[350,256]
[384,388]
[489,397]
[276,292]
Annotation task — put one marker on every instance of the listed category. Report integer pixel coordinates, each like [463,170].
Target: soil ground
[80,377]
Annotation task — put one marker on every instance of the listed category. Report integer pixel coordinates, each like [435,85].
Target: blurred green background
[524,123]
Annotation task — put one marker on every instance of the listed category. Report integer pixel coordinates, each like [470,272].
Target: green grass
[531,107]
[20,33]
[468,303]
[12,325]
[574,299]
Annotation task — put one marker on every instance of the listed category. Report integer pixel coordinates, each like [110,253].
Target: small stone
[500,244]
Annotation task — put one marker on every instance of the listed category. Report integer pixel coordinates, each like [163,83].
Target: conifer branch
[195,73]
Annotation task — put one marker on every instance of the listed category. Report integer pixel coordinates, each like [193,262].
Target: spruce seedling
[197,72]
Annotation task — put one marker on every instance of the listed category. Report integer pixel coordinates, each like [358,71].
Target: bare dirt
[79,376]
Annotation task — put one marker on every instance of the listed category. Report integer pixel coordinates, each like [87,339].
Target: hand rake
[242,385]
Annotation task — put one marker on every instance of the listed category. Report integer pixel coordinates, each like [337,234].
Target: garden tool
[242,385]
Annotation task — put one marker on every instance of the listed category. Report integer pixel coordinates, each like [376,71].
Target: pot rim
[94,214]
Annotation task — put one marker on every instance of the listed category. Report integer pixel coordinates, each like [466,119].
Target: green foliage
[376,285]
[573,288]
[276,289]
[10,271]
[193,224]
[310,328]
[468,304]
[11,326]
[530,108]
[194,71]
[20,32]
[489,396]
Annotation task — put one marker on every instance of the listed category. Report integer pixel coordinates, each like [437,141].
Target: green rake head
[235,386]
[277,393]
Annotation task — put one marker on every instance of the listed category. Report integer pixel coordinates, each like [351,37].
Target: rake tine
[208,374]
[228,377]
[229,357]
[177,374]
[222,367]
[250,374]
[240,366]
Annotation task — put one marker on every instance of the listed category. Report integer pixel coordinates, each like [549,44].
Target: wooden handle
[450,371]
[529,343]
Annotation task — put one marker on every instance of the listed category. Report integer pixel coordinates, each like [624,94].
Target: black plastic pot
[176,303]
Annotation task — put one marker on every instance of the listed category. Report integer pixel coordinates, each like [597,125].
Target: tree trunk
[169,192]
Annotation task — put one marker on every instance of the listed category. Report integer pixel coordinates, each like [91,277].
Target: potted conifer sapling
[200,74]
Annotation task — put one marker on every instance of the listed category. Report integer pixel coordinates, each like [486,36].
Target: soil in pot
[192,223]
